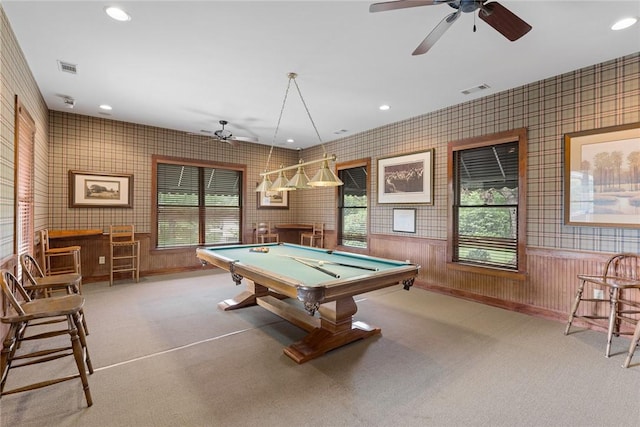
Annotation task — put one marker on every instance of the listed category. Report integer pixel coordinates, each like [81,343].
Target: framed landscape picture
[602,177]
[98,190]
[406,179]
[273,199]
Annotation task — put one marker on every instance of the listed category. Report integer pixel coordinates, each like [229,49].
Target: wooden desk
[290,233]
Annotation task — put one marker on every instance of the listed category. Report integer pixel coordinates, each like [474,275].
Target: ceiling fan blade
[244,139]
[401,4]
[436,33]
[503,20]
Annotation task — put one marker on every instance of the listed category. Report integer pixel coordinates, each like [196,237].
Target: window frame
[516,135]
[156,159]
[366,163]
[24,188]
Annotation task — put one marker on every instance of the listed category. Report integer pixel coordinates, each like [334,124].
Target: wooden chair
[265,232]
[621,274]
[37,285]
[58,260]
[124,251]
[317,234]
[23,311]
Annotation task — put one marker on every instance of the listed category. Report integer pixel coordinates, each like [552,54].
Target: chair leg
[613,318]
[78,320]
[78,354]
[9,346]
[574,308]
[632,346]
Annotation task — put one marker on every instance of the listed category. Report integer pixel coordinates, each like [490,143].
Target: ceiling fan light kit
[493,13]
[323,178]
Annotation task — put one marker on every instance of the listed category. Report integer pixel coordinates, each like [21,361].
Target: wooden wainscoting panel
[547,291]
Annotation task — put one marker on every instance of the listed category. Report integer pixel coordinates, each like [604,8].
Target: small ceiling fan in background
[226,136]
[223,135]
[493,13]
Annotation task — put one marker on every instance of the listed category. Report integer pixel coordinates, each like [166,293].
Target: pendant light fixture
[323,178]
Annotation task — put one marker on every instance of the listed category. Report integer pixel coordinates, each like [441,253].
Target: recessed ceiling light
[290,141]
[105,107]
[384,107]
[624,23]
[117,13]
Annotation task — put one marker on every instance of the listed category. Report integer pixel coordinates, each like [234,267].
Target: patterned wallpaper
[98,145]
[598,96]
[603,95]
[16,79]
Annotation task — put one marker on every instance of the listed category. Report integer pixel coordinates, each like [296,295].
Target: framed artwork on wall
[406,179]
[602,177]
[404,220]
[273,199]
[100,190]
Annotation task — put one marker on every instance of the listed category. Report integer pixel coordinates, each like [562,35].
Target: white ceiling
[186,65]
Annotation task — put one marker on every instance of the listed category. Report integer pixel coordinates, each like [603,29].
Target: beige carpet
[165,355]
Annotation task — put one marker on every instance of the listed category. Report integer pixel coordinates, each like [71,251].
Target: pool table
[325,281]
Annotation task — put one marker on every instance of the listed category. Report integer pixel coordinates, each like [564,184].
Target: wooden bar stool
[316,235]
[58,260]
[621,274]
[17,353]
[124,251]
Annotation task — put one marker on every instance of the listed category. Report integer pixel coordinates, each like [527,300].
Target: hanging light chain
[307,110]
[275,134]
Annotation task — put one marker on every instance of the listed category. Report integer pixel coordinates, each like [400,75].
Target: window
[487,182]
[353,219]
[25,141]
[197,203]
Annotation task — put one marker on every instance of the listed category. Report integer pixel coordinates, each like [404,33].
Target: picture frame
[404,220]
[100,190]
[407,178]
[272,199]
[601,188]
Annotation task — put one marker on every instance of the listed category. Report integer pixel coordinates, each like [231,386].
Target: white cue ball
[320,262]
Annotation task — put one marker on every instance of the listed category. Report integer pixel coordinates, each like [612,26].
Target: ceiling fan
[493,13]
[224,135]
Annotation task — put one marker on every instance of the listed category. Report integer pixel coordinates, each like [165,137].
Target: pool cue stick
[325,271]
[362,267]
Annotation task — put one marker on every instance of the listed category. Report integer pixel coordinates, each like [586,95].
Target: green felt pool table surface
[280,259]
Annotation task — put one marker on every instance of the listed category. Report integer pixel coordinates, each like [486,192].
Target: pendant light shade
[265,185]
[300,180]
[325,177]
[280,184]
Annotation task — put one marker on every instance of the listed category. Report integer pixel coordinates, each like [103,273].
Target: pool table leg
[248,297]
[336,329]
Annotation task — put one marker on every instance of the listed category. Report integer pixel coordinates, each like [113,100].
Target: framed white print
[404,220]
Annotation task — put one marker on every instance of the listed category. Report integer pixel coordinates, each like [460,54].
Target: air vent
[69,102]
[68,67]
[474,89]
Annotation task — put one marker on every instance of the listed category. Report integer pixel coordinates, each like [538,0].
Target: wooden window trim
[155,159]
[366,163]
[519,135]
